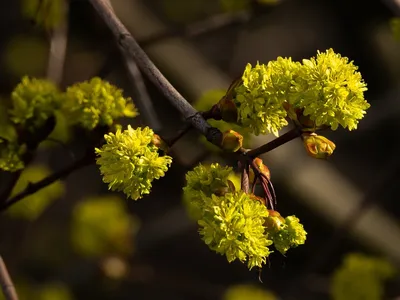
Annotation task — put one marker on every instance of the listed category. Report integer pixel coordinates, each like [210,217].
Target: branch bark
[33,188]
[7,285]
[283,139]
[58,49]
[132,48]
[144,102]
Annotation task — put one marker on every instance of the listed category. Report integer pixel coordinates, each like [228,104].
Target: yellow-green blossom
[330,90]
[233,225]
[361,277]
[207,178]
[129,161]
[33,102]
[326,88]
[11,156]
[260,97]
[96,102]
[289,234]
[202,182]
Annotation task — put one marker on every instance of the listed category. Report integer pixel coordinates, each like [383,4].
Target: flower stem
[283,139]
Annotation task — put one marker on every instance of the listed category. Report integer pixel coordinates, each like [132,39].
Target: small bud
[318,146]
[263,169]
[274,221]
[160,143]
[229,112]
[231,141]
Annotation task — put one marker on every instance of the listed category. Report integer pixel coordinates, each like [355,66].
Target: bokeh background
[77,240]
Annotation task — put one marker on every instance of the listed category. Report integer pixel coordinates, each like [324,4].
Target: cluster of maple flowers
[319,93]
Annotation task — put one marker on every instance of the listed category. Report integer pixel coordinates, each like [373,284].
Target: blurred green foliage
[61,132]
[247,292]
[45,13]
[34,205]
[184,12]
[25,54]
[361,277]
[102,226]
[239,5]
[7,129]
[395,27]
[48,291]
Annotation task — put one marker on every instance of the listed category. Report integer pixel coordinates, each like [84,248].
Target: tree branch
[132,48]
[144,101]
[33,188]
[287,137]
[6,283]
[58,48]
[208,25]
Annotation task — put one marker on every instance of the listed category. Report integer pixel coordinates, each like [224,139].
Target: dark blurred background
[348,204]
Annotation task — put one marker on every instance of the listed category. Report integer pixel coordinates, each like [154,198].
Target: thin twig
[7,285]
[58,48]
[55,67]
[288,136]
[10,186]
[132,48]
[208,25]
[143,98]
[33,188]
[171,141]
[32,141]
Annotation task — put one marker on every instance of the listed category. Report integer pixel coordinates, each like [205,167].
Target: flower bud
[228,110]
[160,143]
[261,167]
[274,221]
[318,146]
[231,141]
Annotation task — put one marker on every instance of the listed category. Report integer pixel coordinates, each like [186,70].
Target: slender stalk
[209,25]
[6,283]
[33,188]
[171,141]
[132,48]
[142,96]
[58,48]
[283,139]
